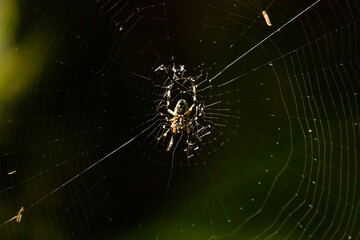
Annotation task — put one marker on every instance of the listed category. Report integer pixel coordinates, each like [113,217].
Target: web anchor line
[266,38]
[80,173]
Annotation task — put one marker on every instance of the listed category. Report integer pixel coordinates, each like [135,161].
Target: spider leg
[171,112]
[190,109]
[164,135]
[194,100]
[188,127]
[170,143]
[168,94]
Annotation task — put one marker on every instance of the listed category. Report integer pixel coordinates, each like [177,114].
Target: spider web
[78,144]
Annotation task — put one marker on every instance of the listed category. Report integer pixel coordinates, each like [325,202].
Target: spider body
[181,117]
[180,121]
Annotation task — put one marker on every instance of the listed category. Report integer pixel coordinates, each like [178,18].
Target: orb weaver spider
[181,118]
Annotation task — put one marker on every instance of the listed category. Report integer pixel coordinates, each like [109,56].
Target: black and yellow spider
[181,120]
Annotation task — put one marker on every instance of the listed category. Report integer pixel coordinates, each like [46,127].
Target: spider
[181,119]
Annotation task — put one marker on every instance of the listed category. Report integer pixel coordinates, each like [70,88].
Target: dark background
[264,174]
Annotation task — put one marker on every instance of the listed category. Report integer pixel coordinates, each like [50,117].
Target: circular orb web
[269,149]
